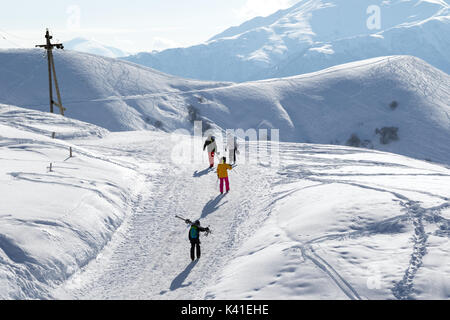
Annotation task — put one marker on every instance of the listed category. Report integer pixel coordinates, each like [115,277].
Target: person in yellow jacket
[222,173]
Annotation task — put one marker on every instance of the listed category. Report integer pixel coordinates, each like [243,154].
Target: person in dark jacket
[194,237]
[232,148]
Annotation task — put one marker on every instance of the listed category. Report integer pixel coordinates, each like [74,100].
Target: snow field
[321,226]
[329,222]
[358,237]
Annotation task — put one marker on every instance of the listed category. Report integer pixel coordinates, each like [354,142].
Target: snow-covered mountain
[313,35]
[398,104]
[326,222]
[110,93]
[94,47]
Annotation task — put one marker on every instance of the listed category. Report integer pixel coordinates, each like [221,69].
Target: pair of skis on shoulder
[189,222]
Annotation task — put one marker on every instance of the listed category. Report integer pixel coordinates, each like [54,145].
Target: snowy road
[330,222]
[149,257]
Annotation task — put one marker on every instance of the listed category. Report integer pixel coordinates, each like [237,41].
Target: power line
[16,36]
[3,36]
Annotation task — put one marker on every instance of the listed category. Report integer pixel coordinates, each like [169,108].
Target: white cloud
[254,8]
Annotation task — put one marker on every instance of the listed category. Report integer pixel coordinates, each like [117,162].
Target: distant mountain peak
[92,46]
[329,18]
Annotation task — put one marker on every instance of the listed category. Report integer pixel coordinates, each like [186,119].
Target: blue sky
[133,25]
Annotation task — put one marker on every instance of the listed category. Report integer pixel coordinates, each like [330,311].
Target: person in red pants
[211,146]
[222,173]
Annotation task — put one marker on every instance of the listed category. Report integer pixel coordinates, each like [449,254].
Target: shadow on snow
[202,173]
[212,206]
[178,281]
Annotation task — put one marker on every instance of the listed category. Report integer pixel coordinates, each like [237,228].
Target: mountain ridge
[315,31]
[94,47]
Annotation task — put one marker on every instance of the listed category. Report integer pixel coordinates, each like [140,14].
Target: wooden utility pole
[51,70]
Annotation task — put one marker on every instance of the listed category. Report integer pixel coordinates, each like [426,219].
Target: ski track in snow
[148,257]
[402,289]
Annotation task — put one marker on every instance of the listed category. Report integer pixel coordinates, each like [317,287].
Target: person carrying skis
[194,237]
[211,146]
[222,174]
[232,148]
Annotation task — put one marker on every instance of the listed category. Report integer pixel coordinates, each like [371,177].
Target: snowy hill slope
[94,47]
[357,99]
[346,224]
[327,222]
[110,93]
[47,123]
[400,92]
[313,35]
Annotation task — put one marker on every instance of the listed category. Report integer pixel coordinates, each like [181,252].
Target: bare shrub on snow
[387,134]
[354,141]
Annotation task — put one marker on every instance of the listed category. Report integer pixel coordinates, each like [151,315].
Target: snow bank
[53,222]
[48,124]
